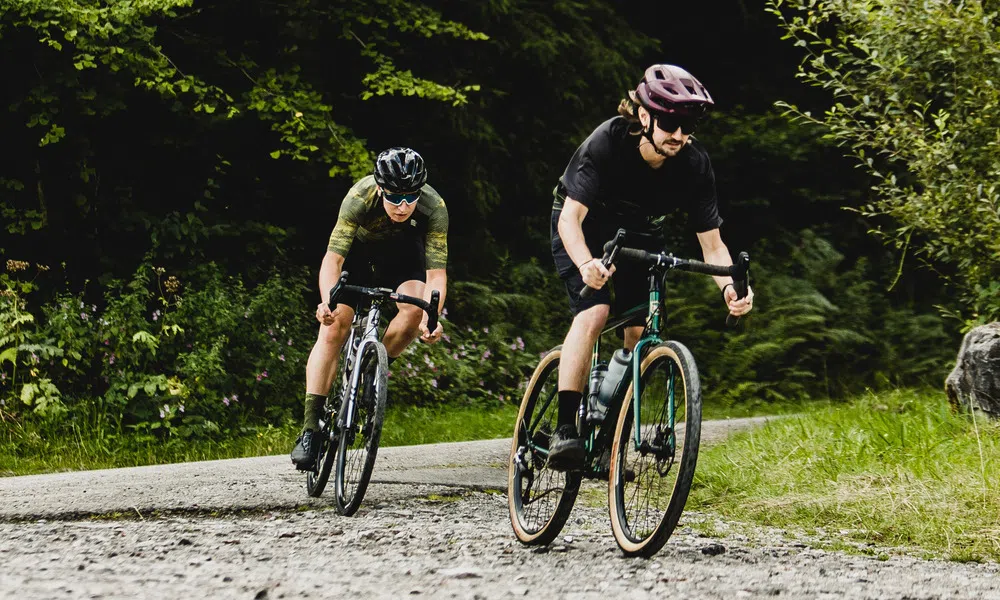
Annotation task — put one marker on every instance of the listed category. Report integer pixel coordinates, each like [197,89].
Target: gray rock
[974,383]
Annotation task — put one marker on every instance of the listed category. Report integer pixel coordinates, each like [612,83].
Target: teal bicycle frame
[650,337]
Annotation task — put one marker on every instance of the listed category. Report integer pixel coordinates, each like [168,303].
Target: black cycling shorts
[387,264]
[627,288]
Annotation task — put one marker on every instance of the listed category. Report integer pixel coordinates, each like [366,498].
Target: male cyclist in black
[629,173]
[396,227]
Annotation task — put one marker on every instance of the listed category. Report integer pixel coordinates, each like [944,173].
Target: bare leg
[632,336]
[322,365]
[405,326]
[578,345]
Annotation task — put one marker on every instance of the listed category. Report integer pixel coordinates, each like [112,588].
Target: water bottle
[616,376]
[595,411]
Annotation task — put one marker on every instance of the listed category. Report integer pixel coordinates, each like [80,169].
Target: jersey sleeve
[704,212]
[582,177]
[352,211]
[437,238]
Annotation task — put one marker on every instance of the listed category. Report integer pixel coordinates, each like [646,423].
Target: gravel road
[434,523]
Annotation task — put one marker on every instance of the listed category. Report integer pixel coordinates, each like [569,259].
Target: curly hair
[629,108]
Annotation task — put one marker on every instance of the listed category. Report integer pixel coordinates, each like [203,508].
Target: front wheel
[539,498]
[653,458]
[359,436]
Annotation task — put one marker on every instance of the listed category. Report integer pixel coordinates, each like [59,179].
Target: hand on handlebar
[738,307]
[429,337]
[595,274]
[324,315]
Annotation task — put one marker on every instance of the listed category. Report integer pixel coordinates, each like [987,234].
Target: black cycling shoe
[305,451]
[566,450]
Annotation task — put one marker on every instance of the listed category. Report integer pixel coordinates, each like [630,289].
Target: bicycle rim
[649,484]
[539,498]
[359,439]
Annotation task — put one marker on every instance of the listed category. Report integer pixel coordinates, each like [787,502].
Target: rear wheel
[539,498]
[358,443]
[651,472]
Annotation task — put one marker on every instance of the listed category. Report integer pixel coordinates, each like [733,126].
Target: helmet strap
[648,134]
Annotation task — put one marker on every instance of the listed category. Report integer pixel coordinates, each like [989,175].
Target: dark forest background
[171,172]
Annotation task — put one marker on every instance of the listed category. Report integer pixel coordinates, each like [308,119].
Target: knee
[334,335]
[593,319]
[409,317]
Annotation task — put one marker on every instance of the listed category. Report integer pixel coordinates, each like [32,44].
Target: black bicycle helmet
[400,170]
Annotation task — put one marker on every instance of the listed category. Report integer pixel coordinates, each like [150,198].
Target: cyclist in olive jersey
[395,227]
[631,172]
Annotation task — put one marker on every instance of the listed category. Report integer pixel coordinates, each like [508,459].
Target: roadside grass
[895,471]
[409,425]
[27,451]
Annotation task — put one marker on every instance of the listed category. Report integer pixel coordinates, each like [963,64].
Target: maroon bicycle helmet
[671,89]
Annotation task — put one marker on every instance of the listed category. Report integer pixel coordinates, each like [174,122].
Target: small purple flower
[111,359]
[481,383]
[434,382]
[93,308]
[225,401]
[486,329]
[445,337]
[264,374]
[107,342]
[455,356]
[84,316]
[258,377]
[156,315]
[520,343]
[444,312]
[3,376]
[236,398]
[486,355]
[270,332]
[289,341]
[181,408]
[281,357]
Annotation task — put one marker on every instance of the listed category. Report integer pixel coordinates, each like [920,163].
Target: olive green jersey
[363,217]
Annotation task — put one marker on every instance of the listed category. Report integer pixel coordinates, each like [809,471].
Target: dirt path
[434,523]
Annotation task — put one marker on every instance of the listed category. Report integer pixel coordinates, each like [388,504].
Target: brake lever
[335,290]
[741,283]
[610,254]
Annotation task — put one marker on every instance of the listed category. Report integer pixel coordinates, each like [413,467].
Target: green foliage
[894,469]
[914,101]
[480,366]
[819,328]
[162,356]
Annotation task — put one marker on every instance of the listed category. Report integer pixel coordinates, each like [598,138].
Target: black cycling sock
[391,358]
[569,403]
[314,408]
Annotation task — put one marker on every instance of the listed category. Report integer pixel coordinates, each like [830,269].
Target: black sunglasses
[397,199]
[670,122]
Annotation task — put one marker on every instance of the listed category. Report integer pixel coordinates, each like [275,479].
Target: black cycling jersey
[608,175]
